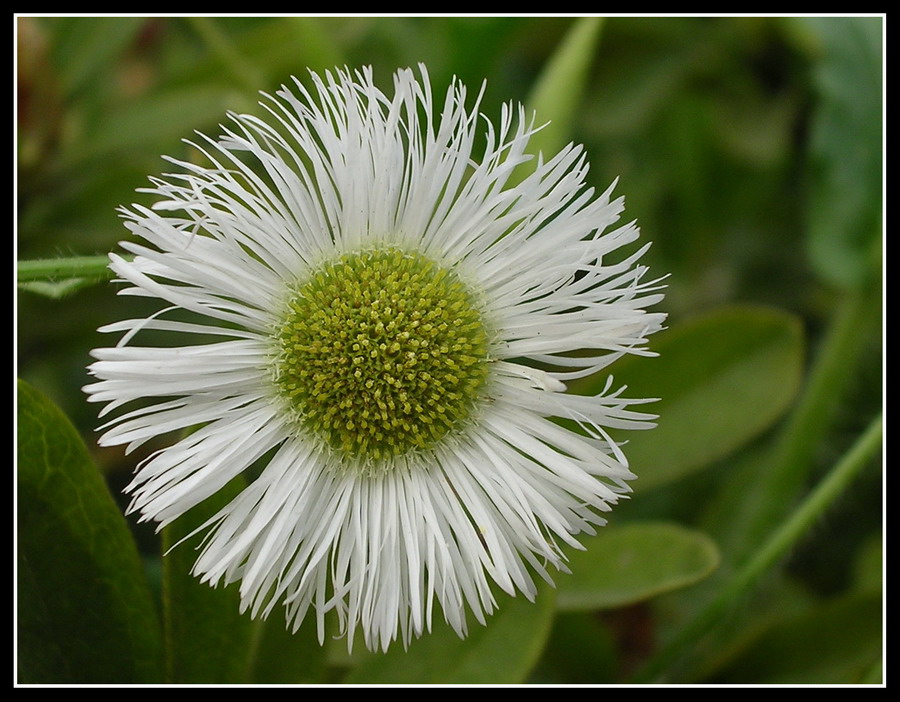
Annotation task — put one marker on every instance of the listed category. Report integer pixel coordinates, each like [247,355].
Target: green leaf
[560,88]
[875,674]
[868,570]
[87,47]
[722,378]
[320,50]
[57,290]
[784,598]
[219,43]
[845,148]
[504,651]
[207,639]
[837,643]
[635,562]
[85,614]
[581,650]
[160,120]
[285,658]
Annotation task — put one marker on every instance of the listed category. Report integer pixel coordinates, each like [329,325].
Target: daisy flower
[387,319]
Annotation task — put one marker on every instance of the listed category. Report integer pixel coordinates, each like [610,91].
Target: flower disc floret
[372,305]
[381,352]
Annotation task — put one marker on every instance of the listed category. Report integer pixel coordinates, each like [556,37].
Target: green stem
[223,48]
[807,514]
[64,268]
[775,489]
[811,419]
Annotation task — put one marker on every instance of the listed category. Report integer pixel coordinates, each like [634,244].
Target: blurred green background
[749,149]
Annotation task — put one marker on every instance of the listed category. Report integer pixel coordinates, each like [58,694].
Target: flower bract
[375,303]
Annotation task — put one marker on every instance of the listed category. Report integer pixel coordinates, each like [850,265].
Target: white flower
[395,324]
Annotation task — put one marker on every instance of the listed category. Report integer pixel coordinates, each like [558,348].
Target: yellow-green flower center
[381,352]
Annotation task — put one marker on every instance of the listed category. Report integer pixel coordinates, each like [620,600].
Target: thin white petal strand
[224,369]
[337,167]
[183,475]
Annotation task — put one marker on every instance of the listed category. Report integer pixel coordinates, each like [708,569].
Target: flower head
[393,321]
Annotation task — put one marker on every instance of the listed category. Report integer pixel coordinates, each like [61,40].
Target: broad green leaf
[85,614]
[504,651]
[634,562]
[207,639]
[836,643]
[760,492]
[722,379]
[286,658]
[845,148]
[560,88]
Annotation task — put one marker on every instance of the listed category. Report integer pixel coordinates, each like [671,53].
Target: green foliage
[85,613]
[581,649]
[557,92]
[732,371]
[85,52]
[504,651]
[749,150]
[834,643]
[207,638]
[634,562]
[845,148]
[282,656]
[868,571]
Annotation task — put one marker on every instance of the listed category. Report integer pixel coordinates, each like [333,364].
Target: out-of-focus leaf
[629,95]
[86,47]
[756,130]
[503,652]
[837,643]
[634,562]
[276,48]
[560,87]
[85,614]
[230,60]
[868,571]
[207,639]
[319,51]
[722,378]
[845,148]
[784,599]
[875,674]
[159,121]
[285,658]
[581,650]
